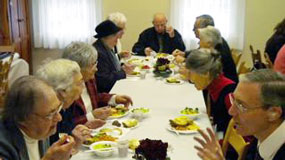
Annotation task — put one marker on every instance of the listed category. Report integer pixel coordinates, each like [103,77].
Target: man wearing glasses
[30,116]
[258,107]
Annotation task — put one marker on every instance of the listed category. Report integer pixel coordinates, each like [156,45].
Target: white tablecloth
[165,102]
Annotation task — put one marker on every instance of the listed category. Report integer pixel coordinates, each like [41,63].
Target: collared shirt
[32,147]
[269,147]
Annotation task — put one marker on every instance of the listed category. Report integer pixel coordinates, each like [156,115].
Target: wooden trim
[10,48]
[5,38]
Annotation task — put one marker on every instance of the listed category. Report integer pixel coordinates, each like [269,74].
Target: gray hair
[272,86]
[20,101]
[80,52]
[210,34]
[117,18]
[205,20]
[58,73]
[203,61]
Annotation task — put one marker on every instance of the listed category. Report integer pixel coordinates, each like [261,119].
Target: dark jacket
[107,75]
[148,38]
[12,143]
[273,45]
[97,100]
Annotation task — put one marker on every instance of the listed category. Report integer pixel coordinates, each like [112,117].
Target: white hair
[210,34]
[80,52]
[58,73]
[117,18]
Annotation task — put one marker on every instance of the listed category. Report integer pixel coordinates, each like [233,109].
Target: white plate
[115,117]
[182,132]
[192,116]
[180,82]
[130,127]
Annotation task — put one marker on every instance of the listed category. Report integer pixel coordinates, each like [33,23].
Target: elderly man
[30,116]
[259,112]
[159,38]
[66,79]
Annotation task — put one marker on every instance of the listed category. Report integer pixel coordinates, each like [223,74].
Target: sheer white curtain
[229,17]
[56,23]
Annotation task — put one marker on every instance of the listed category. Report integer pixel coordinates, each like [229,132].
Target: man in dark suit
[159,38]
[109,67]
[30,116]
[258,107]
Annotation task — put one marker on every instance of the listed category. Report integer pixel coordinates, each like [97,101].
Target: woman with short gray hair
[205,71]
[210,37]
[90,105]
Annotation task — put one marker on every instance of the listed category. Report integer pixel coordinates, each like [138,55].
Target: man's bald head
[159,22]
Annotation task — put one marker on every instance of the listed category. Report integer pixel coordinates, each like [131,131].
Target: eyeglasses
[51,115]
[239,105]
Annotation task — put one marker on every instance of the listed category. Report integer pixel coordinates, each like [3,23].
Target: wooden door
[4,23]
[20,28]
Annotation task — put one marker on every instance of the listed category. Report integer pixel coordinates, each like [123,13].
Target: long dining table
[165,102]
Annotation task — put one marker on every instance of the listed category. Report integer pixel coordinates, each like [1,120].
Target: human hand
[96,123]
[170,31]
[80,134]
[128,68]
[123,99]
[179,59]
[177,52]
[102,113]
[125,54]
[148,51]
[61,149]
[210,148]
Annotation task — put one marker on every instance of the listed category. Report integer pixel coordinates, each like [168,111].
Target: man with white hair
[159,38]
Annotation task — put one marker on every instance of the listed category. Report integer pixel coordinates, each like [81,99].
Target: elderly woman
[205,71]
[109,67]
[210,37]
[86,108]
[120,20]
[30,116]
[66,79]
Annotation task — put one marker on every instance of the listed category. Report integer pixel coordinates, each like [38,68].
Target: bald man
[159,38]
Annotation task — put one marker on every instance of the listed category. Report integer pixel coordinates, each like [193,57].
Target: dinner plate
[136,126]
[192,116]
[182,131]
[180,82]
[119,116]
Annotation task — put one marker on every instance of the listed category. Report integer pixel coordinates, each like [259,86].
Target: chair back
[235,140]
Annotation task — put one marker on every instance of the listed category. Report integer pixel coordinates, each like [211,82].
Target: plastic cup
[123,147]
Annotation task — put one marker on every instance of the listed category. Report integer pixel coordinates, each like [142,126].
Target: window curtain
[229,17]
[56,23]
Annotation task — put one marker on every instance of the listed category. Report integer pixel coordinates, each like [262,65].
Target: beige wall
[139,14]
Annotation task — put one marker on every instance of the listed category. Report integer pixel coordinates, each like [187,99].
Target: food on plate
[133,144]
[140,110]
[151,149]
[145,67]
[118,111]
[116,123]
[135,73]
[190,111]
[183,123]
[171,65]
[109,130]
[102,146]
[172,80]
[130,123]
[99,137]
[135,61]
[161,55]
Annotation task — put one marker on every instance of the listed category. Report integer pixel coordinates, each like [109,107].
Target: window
[229,17]
[56,23]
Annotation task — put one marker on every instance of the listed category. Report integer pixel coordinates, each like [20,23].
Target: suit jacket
[97,100]
[107,75]
[12,142]
[148,38]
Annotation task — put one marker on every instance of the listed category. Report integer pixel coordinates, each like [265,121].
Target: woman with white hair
[210,37]
[66,79]
[86,108]
[120,20]
[205,71]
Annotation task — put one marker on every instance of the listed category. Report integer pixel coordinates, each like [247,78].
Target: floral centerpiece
[161,68]
[151,150]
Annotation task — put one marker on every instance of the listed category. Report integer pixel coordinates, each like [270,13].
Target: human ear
[274,113]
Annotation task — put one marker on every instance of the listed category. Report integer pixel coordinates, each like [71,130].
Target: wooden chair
[236,141]
[257,60]
[4,71]
[236,55]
